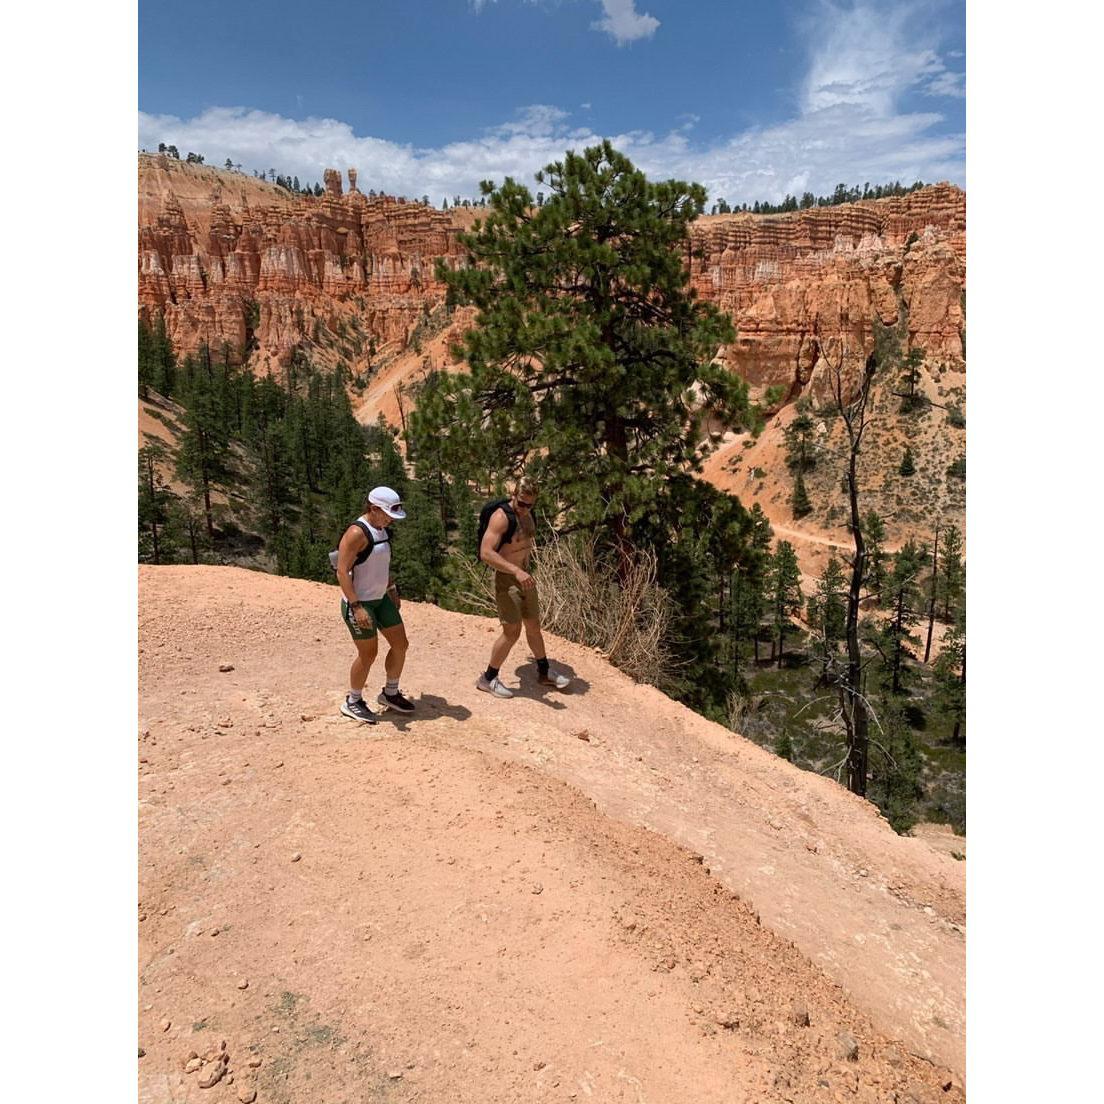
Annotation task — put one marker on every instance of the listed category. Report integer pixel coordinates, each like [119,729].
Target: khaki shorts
[514,604]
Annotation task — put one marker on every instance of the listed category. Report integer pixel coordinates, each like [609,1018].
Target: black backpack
[485,516]
[363,555]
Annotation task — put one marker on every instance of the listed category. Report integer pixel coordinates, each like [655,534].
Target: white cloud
[624,23]
[947,84]
[849,129]
[869,56]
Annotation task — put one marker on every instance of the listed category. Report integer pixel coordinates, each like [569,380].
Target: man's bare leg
[536,645]
[535,637]
[507,639]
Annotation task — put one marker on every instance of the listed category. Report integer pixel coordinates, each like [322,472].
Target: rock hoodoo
[216,249]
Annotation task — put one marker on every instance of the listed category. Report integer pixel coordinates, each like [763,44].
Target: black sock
[542,666]
[492,674]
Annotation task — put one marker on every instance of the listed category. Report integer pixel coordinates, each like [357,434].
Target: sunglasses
[523,505]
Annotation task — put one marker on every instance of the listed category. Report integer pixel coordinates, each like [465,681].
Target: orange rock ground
[487,907]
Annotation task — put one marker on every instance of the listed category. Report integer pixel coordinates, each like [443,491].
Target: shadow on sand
[427,707]
[528,687]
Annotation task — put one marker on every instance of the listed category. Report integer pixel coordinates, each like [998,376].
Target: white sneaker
[495,687]
[554,678]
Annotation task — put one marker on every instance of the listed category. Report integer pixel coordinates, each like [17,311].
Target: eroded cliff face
[230,259]
[802,283]
[350,278]
[274,275]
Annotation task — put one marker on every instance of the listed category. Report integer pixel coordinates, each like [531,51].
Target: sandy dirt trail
[594,895]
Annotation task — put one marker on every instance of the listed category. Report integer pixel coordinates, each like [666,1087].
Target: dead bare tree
[854,707]
[931,602]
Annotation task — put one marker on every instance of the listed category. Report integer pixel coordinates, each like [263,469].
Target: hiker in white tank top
[370,602]
[372,577]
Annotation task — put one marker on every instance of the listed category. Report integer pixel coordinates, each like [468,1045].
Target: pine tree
[911,399]
[908,467]
[874,533]
[952,577]
[187,518]
[896,768]
[146,365]
[164,359]
[827,610]
[895,636]
[203,453]
[785,591]
[420,546]
[950,677]
[799,501]
[155,501]
[586,345]
[800,455]
[747,588]
[783,747]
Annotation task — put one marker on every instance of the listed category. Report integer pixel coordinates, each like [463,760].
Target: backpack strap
[511,525]
[372,542]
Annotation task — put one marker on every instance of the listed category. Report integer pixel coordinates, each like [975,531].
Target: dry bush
[582,600]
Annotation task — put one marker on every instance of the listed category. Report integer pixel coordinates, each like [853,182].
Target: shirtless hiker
[515,588]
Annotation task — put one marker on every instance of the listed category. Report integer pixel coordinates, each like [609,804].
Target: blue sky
[430,96]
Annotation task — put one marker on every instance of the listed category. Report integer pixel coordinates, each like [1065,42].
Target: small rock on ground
[846,1046]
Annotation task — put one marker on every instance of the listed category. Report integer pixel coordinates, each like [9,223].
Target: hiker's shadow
[427,707]
[528,687]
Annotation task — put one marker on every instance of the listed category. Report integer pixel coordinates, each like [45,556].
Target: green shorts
[384,613]
[514,604]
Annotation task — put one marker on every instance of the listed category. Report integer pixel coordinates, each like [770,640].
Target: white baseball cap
[388,501]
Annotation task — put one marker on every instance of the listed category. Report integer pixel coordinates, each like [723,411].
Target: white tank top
[370,578]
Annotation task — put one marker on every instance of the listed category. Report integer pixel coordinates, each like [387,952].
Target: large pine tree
[785,591]
[591,361]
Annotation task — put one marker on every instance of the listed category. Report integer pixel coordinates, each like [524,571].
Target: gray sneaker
[397,701]
[358,710]
[495,687]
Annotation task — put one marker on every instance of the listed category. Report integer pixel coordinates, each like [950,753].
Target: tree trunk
[852,704]
[898,638]
[721,601]
[153,501]
[961,678]
[734,589]
[931,603]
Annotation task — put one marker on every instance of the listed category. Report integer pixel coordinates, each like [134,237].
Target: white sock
[392,686]
[354,695]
